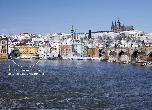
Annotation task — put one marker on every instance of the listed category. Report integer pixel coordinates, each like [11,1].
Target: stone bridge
[127,55]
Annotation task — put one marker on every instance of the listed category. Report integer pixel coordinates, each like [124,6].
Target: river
[74,85]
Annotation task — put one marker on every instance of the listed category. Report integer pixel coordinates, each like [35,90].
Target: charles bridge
[127,55]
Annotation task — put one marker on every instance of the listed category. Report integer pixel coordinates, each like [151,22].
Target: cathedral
[118,27]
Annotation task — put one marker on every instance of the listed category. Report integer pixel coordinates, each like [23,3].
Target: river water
[74,85]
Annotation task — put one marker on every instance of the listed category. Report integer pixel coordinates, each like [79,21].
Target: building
[55,49]
[49,52]
[28,51]
[44,52]
[118,27]
[66,51]
[93,52]
[78,48]
[3,48]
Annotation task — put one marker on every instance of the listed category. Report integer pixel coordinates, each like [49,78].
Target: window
[3,42]
[3,47]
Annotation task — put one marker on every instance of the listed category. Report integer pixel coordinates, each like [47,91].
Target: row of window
[3,51]
[29,51]
[67,49]
[2,42]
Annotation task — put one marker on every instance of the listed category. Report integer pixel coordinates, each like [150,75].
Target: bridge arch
[149,58]
[138,55]
[150,54]
[103,55]
[101,52]
[121,53]
[135,54]
[123,57]
[112,53]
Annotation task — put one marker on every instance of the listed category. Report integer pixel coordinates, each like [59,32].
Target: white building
[44,52]
[55,49]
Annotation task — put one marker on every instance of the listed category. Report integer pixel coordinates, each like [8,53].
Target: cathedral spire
[112,26]
[118,19]
[115,23]
[119,24]
[112,23]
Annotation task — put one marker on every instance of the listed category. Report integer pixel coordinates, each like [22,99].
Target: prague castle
[118,27]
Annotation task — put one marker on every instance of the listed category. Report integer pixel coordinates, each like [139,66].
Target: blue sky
[49,16]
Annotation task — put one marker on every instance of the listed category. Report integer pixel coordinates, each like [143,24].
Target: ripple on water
[76,85]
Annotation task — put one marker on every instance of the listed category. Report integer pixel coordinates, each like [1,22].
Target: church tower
[72,32]
[112,27]
[119,24]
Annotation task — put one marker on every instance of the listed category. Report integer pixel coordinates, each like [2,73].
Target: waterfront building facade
[28,52]
[66,51]
[78,48]
[3,48]
[93,52]
[44,52]
[55,49]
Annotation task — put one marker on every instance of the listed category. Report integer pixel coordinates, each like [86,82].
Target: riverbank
[144,63]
